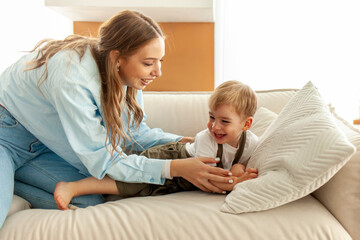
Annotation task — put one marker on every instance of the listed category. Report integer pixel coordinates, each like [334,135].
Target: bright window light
[24,23]
[284,44]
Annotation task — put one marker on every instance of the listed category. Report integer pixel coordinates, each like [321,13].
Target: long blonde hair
[125,32]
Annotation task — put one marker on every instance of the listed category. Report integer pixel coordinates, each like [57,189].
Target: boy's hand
[252,170]
[237,170]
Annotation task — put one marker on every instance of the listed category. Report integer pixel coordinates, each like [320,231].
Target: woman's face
[140,69]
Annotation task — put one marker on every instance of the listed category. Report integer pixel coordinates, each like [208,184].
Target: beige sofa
[331,212]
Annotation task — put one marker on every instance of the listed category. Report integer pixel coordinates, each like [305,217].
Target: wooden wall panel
[189,55]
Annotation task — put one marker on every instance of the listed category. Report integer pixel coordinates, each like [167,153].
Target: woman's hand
[198,173]
[187,140]
[238,175]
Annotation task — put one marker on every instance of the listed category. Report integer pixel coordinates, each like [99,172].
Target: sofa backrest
[186,113]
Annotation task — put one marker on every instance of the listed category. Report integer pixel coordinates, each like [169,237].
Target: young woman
[73,108]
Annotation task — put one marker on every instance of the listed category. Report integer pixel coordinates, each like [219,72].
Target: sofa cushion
[275,99]
[262,119]
[341,195]
[185,215]
[299,152]
[187,113]
[181,113]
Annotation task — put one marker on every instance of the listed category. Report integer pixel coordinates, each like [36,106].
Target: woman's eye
[148,64]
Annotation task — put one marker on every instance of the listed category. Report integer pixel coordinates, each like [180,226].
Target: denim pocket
[7,121]
[35,146]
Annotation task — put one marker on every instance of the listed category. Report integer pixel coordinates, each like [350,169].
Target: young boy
[232,107]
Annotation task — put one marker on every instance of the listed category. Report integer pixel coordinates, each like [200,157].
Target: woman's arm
[145,137]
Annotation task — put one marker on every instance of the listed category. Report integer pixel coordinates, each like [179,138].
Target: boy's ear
[248,123]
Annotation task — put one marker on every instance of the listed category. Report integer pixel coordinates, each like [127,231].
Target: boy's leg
[173,150]
[37,180]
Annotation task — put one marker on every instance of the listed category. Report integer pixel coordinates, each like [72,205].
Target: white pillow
[299,152]
[262,119]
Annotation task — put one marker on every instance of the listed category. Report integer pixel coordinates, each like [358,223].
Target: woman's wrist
[173,168]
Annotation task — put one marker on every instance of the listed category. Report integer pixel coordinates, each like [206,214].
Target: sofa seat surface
[185,215]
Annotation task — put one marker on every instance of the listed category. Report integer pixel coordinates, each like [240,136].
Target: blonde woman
[73,108]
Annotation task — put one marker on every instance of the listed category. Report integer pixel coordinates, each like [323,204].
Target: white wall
[284,44]
[23,23]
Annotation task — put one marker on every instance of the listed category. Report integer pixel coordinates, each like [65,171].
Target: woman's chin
[138,87]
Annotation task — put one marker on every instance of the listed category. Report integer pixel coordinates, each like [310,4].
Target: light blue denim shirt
[66,116]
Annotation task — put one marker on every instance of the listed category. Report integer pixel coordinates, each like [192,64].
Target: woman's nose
[157,71]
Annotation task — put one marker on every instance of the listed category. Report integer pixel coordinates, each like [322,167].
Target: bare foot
[63,194]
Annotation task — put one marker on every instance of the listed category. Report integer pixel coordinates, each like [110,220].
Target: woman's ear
[248,123]
[115,57]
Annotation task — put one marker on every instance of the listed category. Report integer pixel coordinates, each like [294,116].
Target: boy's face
[226,125]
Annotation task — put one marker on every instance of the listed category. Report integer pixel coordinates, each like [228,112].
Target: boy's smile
[219,136]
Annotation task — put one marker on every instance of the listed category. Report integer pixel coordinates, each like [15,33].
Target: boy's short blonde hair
[236,94]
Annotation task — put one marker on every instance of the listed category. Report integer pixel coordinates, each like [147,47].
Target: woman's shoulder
[70,58]
[66,66]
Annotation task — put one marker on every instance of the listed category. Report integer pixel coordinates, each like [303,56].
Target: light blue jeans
[31,170]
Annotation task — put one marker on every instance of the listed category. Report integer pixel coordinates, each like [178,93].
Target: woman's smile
[146,82]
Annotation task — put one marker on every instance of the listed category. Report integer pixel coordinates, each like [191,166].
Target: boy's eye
[211,118]
[224,121]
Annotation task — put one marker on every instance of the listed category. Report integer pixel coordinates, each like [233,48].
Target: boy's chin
[220,141]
